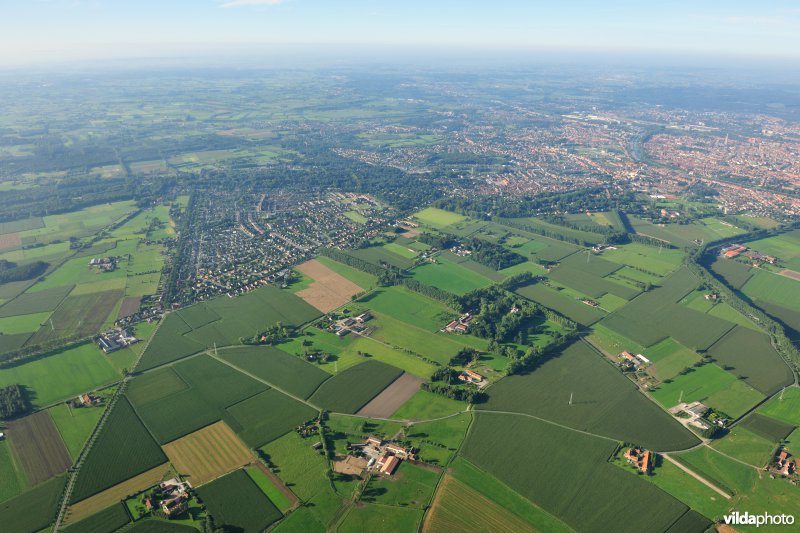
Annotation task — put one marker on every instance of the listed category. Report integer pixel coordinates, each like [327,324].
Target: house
[399,451]
[696,409]
[641,458]
[630,357]
[375,441]
[389,464]
[785,466]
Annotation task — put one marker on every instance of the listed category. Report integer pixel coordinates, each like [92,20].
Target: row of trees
[12,272]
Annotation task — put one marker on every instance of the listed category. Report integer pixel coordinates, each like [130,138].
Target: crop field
[362,279]
[75,425]
[169,344]
[368,517]
[567,480]
[426,405]
[438,218]
[62,375]
[78,315]
[770,287]
[236,501]
[785,407]
[410,307]
[329,290]
[208,453]
[22,323]
[317,339]
[33,510]
[734,273]
[399,249]
[269,415]
[213,386]
[744,445]
[565,305]
[350,390]
[392,397]
[604,401]
[569,233]
[670,358]
[35,302]
[378,255]
[38,447]
[272,488]
[770,428]
[24,224]
[285,371]
[123,449]
[197,315]
[454,508]
[752,357]
[155,386]
[410,486]
[786,247]
[590,284]
[110,519]
[377,351]
[438,441]
[13,478]
[449,276]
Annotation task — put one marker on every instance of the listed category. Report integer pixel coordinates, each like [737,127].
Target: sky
[50,31]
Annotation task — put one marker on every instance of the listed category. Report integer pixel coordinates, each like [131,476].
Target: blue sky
[55,30]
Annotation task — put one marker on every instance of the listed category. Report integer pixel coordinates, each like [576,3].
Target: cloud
[242,3]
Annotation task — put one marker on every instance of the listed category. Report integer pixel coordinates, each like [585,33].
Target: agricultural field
[669,358]
[123,449]
[449,276]
[565,480]
[770,287]
[772,429]
[110,519]
[392,397]
[33,510]
[208,453]
[35,302]
[378,255]
[603,401]
[235,501]
[370,517]
[279,495]
[784,407]
[385,353]
[410,307]
[12,475]
[63,375]
[438,441]
[278,368]
[362,279]
[537,225]
[410,486]
[561,303]
[426,405]
[590,284]
[735,273]
[438,218]
[75,425]
[38,447]
[78,316]
[786,247]
[267,416]
[745,445]
[328,290]
[350,390]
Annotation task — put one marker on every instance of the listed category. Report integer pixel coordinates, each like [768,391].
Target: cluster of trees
[498,314]
[612,235]
[442,242]
[13,401]
[12,272]
[493,255]
[554,234]
[454,392]
[442,295]
[536,355]
[465,356]
[273,335]
[386,274]
[650,241]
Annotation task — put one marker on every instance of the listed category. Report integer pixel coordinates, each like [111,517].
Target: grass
[169,344]
[744,445]
[379,517]
[734,273]
[362,279]
[770,428]
[123,449]
[502,495]
[386,354]
[670,358]
[23,323]
[110,519]
[410,307]
[426,405]
[285,371]
[38,448]
[604,401]
[438,218]
[235,501]
[75,425]
[357,217]
[269,489]
[785,407]
[410,486]
[563,304]
[33,510]
[63,375]
[449,276]
[13,477]
[401,250]
[350,390]
[269,415]
[80,316]
[773,288]
[378,255]
[438,441]
[614,343]
[35,302]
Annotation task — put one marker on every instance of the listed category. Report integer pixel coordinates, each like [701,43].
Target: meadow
[75,425]
[379,254]
[427,405]
[269,415]
[236,501]
[784,407]
[438,218]
[670,358]
[351,389]
[745,445]
[590,284]
[384,353]
[13,477]
[410,307]
[563,304]
[438,441]
[35,302]
[410,486]
[270,490]
[734,273]
[449,276]
[770,287]
[786,247]
[772,429]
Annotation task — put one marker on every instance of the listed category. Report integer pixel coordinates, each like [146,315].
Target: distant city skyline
[52,31]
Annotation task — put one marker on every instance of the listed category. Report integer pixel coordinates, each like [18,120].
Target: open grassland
[208,453]
[712,386]
[378,255]
[384,353]
[75,425]
[23,224]
[786,247]
[115,494]
[670,358]
[590,284]
[12,475]
[277,493]
[38,447]
[565,480]
[772,429]
[285,371]
[410,307]
[410,486]
[123,449]
[35,302]
[439,440]
[537,225]
[212,386]
[350,390]
[734,273]
[78,315]
[773,288]
[612,342]
[750,356]
[267,416]
[438,218]
[23,323]
[328,290]
[744,445]
[399,249]
[454,506]
[362,279]
[314,338]
[367,517]
[561,303]
[34,510]
[426,405]
[449,276]
[512,503]
[784,407]
[604,401]
[60,376]
[110,519]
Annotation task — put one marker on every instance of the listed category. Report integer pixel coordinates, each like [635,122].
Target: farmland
[38,447]
[268,415]
[599,393]
[785,408]
[237,502]
[539,447]
[13,477]
[328,289]
[122,450]
[377,517]
[563,304]
[385,353]
[774,289]
[449,276]
[438,218]
[362,279]
[208,453]
[350,390]
[75,425]
[427,405]
[744,445]
[264,479]
[392,397]
[110,519]
[33,510]
[410,486]
[410,307]
[772,429]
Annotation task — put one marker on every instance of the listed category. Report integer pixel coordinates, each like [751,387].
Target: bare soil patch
[329,289]
[350,465]
[10,240]
[793,274]
[38,446]
[129,306]
[393,397]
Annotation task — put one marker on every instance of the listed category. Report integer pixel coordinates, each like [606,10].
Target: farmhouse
[783,464]
[470,376]
[105,264]
[459,326]
[388,464]
[115,339]
[628,356]
[641,458]
[363,317]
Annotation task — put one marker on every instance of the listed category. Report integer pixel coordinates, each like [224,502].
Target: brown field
[208,453]
[129,306]
[790,274]
[458,507]
[395,395]
[329,290]
[10,240]
[38,447]
[115,494]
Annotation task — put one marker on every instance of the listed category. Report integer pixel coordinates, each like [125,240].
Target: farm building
[388,464]
[642,459]
[628,356]
[470,376]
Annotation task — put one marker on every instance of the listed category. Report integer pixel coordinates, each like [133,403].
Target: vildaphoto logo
[746,519]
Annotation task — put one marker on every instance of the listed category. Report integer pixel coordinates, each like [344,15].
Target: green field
[378,255]
[22,323]
[362,279]
[410,486]
[267,416]
[449,276]
[566,473]
[379,517]
[12,475]
[734,273]
[773,288]
[35,302]
[266,485]
[75,425]
[561,303]
[78,316]
[409,306]
[123,449]
[590,284]
[282,370]
[786,247]
[614,343]
[33,510]
[604,401]
[235,501]
[438,218]
[427,405]
[61,376]
[772,429]
[350,390]
[785,408]
[377,351]
[744,445]
[401,250]
[110,519]
[670,358]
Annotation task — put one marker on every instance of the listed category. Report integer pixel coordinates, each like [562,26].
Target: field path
[697,476]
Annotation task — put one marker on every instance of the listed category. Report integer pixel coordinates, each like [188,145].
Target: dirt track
[387,402]
[329,290]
